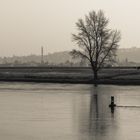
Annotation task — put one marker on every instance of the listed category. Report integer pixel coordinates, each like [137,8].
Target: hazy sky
[26,25]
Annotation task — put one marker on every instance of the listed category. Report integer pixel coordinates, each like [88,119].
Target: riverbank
[70,81]
[73,75]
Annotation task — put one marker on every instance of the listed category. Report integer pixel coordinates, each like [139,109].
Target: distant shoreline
[71,75]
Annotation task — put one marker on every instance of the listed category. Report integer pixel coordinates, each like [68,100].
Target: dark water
[68,112]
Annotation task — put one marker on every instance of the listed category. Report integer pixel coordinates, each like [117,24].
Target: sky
[26,25]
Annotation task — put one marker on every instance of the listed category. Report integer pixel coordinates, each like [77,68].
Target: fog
[27,25]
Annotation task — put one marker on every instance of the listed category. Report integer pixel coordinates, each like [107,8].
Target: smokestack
[42,55]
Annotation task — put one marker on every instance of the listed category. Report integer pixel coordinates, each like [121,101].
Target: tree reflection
[100,117]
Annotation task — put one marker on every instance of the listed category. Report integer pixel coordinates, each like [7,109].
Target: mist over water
[35,111]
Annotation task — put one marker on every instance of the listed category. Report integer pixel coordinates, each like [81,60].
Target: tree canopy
[97,43]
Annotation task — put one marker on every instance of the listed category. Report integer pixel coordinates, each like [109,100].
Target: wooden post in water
[112,104]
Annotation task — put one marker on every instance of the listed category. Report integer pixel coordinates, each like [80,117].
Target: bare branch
[76,53]
[110,50]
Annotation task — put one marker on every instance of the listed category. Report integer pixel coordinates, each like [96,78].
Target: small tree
[96,42]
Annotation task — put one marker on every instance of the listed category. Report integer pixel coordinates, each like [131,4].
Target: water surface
[32,111]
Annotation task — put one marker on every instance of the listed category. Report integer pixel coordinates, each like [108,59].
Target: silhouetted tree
[97,43]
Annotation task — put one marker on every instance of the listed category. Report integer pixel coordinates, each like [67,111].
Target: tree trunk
[95,75]
[95,72]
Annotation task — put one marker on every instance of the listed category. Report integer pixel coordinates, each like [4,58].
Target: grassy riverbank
[122,76]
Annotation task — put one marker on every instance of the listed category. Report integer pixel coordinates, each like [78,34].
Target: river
[33,111]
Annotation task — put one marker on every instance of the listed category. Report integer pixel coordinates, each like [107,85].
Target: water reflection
[100,119]
[92,116]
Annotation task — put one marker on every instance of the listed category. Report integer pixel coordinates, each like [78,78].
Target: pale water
[31,111]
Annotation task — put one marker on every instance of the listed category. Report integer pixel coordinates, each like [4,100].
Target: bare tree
[97,43]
